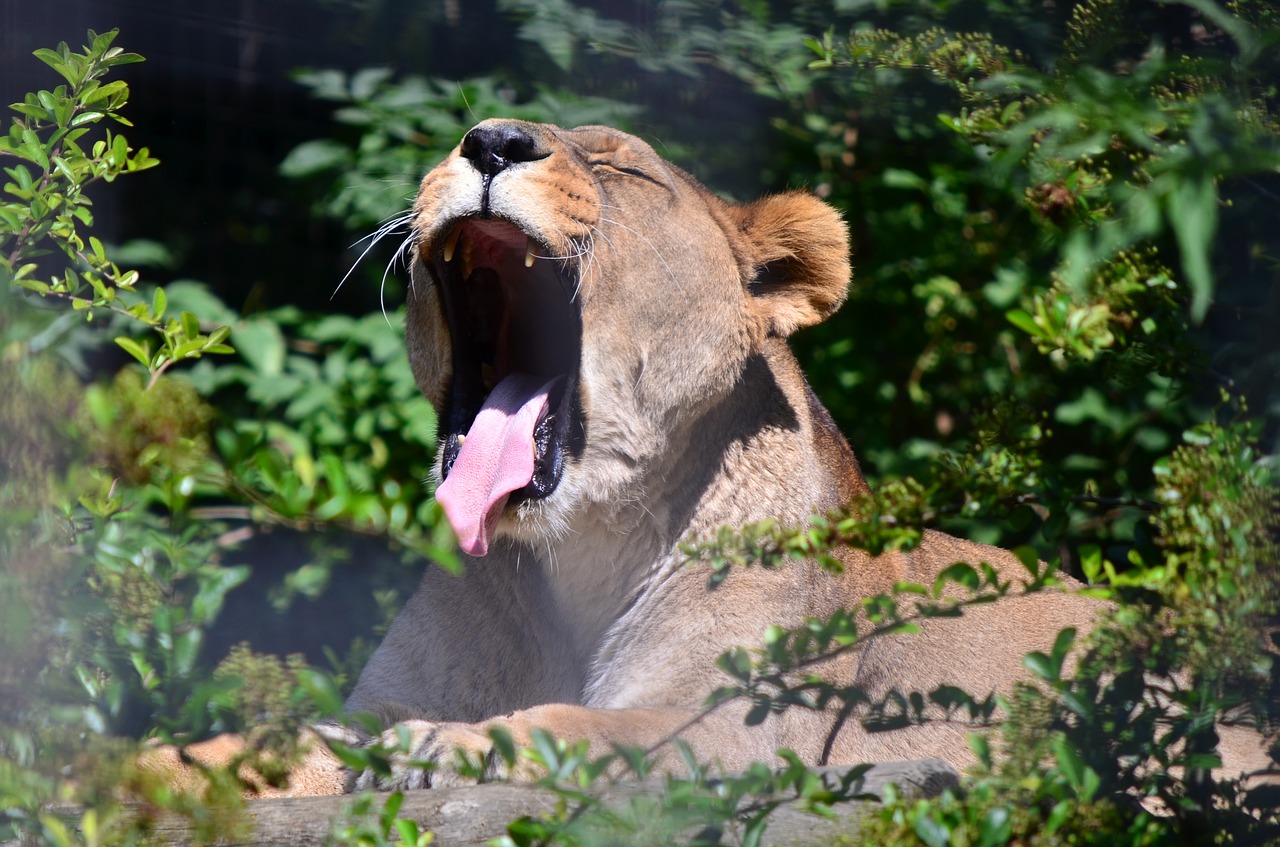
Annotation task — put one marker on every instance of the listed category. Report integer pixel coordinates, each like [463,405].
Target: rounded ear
[800,251]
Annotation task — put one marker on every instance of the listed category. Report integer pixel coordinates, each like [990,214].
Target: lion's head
[576,299]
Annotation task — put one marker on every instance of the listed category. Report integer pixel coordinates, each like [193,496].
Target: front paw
[424,754]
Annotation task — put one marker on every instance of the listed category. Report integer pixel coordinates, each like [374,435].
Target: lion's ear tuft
[800,252]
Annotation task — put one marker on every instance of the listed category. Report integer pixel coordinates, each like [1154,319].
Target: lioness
[604,341]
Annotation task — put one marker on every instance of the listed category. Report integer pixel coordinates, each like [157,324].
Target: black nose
[495,148]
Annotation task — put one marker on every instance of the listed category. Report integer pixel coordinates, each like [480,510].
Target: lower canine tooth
[528,254]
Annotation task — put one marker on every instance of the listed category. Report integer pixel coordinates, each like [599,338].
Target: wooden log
[472,815]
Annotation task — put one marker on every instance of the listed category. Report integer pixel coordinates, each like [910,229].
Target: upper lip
[510,306]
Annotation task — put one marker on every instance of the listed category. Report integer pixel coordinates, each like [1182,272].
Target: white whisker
[670,273]
[466,102]
[401,251]
[373,238]
[552,564]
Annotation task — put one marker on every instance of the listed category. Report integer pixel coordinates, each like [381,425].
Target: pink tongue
[496,458]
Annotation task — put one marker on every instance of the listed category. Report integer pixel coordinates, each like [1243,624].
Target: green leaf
[314,157]
[1062,645]
[114,57]
[146,673]
[186,647]
[981,748]
[503,744]
[1040,665]
[1079,776]
[321,689]
[736,663]
[196,298]
[1091,562]
[1023,321]
[356,758]
[190,324]
[105,92]
[1058,815]
[87,118]
[391,808]
[959,573]
[32,111]
[33,148]
[899,178]
[34,285]
[22,176]
[262,344]
[213,591]
[100,43]
[1192,210]
[558,42]
[141,352]
[931,832]
[1029,557]
[996,828]
[407,830]
[60,64]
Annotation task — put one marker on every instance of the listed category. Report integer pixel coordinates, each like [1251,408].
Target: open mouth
[513,413]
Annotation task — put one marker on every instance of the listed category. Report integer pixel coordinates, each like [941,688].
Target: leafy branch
[48,208]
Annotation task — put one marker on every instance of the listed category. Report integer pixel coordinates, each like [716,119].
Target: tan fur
[316,774]
[584,619]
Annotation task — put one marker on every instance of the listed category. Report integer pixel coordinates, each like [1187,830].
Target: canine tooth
[451,243]
[461,438]
[528,254]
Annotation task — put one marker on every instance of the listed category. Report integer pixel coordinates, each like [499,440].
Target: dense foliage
[1058,340]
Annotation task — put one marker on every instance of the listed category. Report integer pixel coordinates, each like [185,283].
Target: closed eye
[621,169]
